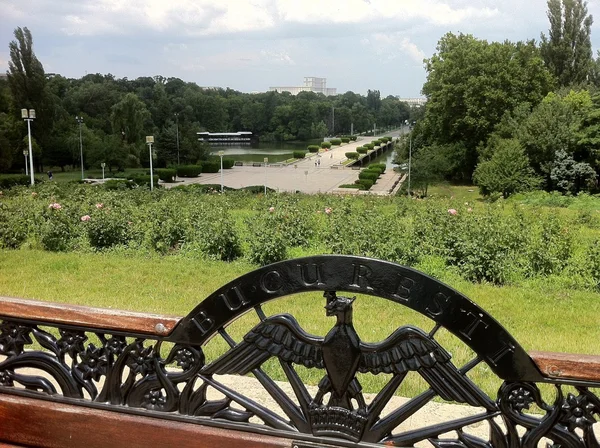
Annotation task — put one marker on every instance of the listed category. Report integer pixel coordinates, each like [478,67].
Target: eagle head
[336,305]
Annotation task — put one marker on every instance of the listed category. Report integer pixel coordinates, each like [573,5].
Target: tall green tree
[567,50]
[27,83]
[471,84]
[128,117]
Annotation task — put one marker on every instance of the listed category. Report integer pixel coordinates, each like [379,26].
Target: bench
[73,376]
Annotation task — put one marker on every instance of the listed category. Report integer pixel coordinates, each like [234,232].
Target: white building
[311,84]
[413,101]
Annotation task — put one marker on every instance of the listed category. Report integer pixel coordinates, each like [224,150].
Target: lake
[275,151]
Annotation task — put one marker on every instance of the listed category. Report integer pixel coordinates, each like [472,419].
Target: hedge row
[166,174]
[12,181]
[189,170]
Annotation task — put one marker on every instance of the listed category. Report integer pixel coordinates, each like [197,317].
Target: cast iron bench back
[77,376]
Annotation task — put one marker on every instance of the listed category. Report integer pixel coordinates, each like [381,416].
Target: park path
[318,173]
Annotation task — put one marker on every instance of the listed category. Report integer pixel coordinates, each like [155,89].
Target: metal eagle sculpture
[342,354]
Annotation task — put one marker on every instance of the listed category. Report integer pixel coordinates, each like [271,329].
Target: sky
[251,45]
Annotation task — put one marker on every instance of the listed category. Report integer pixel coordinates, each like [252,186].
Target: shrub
[345,139]
[227,164]
[376,142]
[106,229]
[365,184]
[7,182]
[352,155]
[212,166]
[369,146]
[361,150]
[374,170]
[166,228]
[57,232]
[267,243]
[325,145]
[299,154]
[13,229]
[380,166]
[335,141]
[313,148]
[142,179]
[118,184]
[550,247]
[257,189]
[166,175]
[189,170]
[365,174]
[353,138]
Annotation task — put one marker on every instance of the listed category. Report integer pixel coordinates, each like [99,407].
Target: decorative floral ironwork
[13,337]
[141,359]
[154,400]
[93,363]
[184,358]
[115,345]
[578,412]
[71,342]
[520,398]
[6,379]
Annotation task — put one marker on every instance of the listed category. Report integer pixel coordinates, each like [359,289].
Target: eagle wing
[280,336]
[409,349]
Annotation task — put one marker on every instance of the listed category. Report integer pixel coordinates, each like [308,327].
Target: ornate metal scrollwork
[170,376]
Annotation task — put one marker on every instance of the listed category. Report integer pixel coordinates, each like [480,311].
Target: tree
[507,172]
[128,117]
[471,84]
[553,126]
[569,176]
[27,83]
[567,50]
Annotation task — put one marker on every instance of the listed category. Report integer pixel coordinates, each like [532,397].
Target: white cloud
[281,57]
[361,11]
[390,46]
[218,17]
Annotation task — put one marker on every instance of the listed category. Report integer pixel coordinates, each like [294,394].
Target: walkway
[305,176]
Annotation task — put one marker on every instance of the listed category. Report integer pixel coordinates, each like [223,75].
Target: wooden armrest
[566,365]
[59,313]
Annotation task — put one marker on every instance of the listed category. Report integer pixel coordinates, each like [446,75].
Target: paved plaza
[318,173]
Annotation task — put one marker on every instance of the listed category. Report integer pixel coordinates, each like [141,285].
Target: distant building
[413,101]
[311,84]
[227,138]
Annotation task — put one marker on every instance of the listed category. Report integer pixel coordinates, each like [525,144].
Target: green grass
[466,193]
[540,315]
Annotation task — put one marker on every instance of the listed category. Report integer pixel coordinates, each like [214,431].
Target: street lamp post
[409,160]
[149,141]
[266,165]
[177,130]
[29,116]
[26,153]
[103,165]
[221,154]
[80,121]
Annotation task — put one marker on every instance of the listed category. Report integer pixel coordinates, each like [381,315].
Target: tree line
[513,116]
[118,112]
